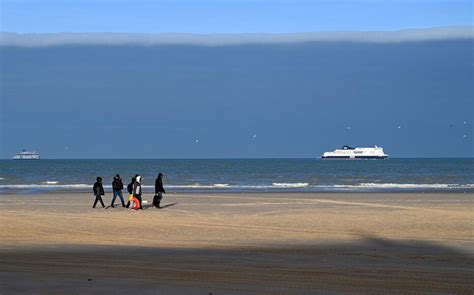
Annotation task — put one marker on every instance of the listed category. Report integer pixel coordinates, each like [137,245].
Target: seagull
[196,141]
[254,136]
[399,127]
[348,127]
[464,136]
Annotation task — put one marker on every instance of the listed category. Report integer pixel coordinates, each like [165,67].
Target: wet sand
[239,244]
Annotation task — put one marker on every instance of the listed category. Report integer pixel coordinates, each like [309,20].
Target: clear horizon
[232,158]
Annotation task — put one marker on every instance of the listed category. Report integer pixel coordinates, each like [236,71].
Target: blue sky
[244,16]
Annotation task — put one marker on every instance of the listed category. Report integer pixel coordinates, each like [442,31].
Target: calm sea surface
[244,175]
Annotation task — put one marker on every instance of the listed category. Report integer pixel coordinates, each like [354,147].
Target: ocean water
[244,175]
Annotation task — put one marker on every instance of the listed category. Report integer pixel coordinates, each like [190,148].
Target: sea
[243,175]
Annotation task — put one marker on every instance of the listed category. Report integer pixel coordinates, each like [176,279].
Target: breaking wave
[406,186]
[46,186]
[50,182]
[197,186]
[275,186]
[289,185]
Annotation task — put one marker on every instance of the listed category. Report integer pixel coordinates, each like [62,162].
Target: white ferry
[26,155]
[350,153]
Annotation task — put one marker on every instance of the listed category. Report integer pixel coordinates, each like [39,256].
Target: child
[98,192]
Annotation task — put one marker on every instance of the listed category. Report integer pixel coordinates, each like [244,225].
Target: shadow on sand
[169,205]
[369,265]
[147,206]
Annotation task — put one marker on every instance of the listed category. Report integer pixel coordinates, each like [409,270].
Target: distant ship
[26,155]
[350,153]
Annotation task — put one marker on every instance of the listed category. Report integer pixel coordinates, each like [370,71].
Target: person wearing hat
[98,192]
[117,187]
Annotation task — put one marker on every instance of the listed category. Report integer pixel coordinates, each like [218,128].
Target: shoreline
[148,191]
[283,243]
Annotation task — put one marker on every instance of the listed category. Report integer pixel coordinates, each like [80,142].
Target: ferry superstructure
[358,153]
[26,155]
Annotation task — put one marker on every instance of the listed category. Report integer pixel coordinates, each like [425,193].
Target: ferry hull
[26,155]
[25,159]
[354,158]
[358,153]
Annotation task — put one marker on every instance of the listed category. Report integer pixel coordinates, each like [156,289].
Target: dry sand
[239,244]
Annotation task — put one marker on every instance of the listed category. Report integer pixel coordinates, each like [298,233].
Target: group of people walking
[134,188]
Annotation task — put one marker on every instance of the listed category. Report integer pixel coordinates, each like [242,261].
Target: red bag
[134,203]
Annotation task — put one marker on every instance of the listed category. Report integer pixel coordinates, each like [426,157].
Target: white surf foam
[201,186]
[50,182]
[45,186]
[290,185]
[228,186]
[55,185]
[406,186]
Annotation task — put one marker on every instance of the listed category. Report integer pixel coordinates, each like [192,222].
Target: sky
[230,16]
[85,95]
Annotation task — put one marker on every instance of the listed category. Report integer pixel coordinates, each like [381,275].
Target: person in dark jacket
[98,192]
[130,189]
[137,189]
[159,191]
[117,187]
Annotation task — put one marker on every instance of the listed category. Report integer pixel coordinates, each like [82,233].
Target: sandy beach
[264,243]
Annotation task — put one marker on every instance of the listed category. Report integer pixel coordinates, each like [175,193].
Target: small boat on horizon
[27,155]
[358,153]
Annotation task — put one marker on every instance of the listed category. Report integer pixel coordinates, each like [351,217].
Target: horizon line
[231,158]
[465,32]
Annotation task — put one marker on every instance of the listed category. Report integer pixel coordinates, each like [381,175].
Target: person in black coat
[130,189]
[98,192]
[159,191]
[117,187]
